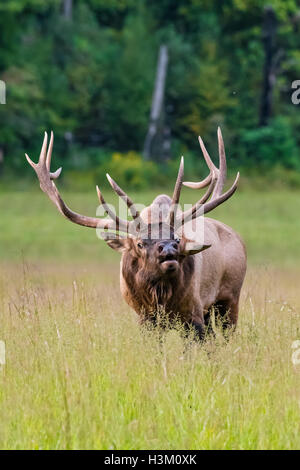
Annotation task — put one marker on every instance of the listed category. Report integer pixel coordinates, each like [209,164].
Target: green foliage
[91,80]
[130,170]
[271,145]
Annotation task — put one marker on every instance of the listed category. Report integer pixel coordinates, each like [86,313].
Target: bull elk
[165,262]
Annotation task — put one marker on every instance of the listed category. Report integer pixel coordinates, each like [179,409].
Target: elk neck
[150,291]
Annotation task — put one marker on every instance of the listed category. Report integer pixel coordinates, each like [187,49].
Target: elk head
[157,250]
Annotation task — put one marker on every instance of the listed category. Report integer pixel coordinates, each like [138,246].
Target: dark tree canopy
[86,69]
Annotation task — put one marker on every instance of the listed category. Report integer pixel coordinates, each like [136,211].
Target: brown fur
[210,279]
[148,292]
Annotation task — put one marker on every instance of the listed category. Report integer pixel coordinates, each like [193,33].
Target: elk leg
[197,327]
[227,312]
[208,322]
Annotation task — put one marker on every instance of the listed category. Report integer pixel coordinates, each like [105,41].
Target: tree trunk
[270,67]
[157,102]
[2,92]
[67,9]
[1,160]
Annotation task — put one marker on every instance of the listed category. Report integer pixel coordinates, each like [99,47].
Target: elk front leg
[199,328]
[197,324]
[227,311]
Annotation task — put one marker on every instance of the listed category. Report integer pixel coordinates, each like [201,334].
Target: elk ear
[192,248]
[116,243]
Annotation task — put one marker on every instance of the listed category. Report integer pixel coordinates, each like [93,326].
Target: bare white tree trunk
[157,100]
[1,159]
[67,9]
[2,92]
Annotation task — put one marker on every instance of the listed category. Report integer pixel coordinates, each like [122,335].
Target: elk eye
[140,245]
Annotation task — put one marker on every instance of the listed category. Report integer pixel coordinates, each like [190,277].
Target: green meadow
[81,374]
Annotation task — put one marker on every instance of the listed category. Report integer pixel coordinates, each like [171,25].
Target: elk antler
[135,214]
[215,180]
[176,194]
[42,169]
[213,173]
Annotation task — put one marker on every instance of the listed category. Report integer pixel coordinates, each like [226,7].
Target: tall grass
[80,373]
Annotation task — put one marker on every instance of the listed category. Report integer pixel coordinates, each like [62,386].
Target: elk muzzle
[167,255]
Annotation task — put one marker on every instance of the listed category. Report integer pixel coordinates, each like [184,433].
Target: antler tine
[43,154]
[200,185]
[213,169]
[49,152]
[31,163]
[214,202]
[216,179]
[222,166]
[119,191]
[178,184]
[42,157]
[56,174]
[189,214]
[120,223]
[176,193]
[42,169]
[209,191]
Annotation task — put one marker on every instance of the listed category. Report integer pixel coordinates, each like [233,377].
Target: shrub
[271,145]
[130,171]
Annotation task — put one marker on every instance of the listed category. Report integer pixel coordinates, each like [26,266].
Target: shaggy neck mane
[149,292]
